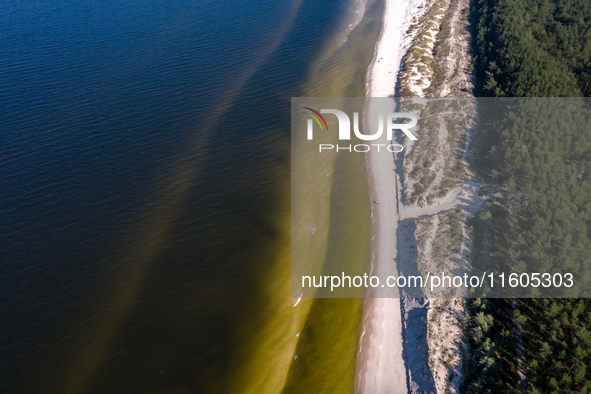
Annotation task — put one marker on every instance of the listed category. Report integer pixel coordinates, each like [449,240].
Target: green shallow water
[325,356]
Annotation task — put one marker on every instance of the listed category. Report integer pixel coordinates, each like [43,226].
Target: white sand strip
[381,366]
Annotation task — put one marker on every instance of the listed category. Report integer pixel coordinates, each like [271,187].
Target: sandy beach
[381,367]
[394,351]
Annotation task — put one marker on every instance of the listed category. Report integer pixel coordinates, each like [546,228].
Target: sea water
[144,194]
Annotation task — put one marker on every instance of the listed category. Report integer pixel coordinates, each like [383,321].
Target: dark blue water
[143,169]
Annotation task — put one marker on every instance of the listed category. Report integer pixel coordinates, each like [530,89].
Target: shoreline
[380,366]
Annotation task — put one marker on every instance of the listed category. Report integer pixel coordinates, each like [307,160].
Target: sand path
[464,196]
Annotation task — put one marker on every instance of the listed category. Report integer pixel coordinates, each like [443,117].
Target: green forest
[538,154]
[532,48]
